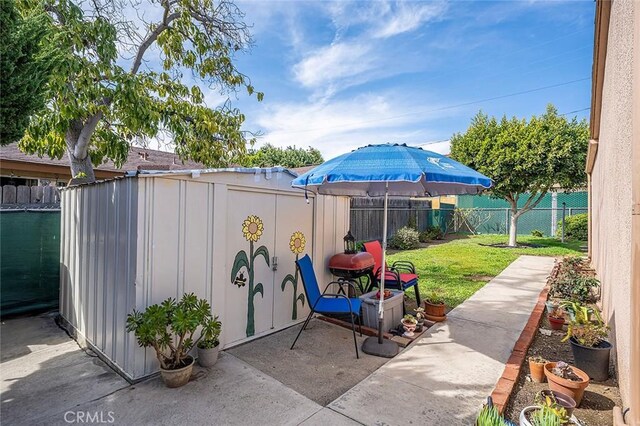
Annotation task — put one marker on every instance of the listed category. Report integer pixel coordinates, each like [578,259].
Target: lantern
[349,243]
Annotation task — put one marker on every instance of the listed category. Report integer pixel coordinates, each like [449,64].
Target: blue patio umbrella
[391,170]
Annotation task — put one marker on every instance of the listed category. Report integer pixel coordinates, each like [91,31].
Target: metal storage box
[131,242]
[392,310]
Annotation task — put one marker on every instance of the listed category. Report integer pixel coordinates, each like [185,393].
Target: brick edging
[502,392]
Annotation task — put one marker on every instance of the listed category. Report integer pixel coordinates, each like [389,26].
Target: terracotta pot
[537,371]
[570,388]
[208,357]
[435,312]
[556,323]
[178,377]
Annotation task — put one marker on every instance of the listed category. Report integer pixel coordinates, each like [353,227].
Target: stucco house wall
[612,179]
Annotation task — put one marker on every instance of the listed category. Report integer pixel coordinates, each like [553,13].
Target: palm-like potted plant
[434,306]
[169,328]
[208,346]
[587,333]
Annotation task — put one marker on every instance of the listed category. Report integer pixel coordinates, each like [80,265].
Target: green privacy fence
[496,220]
[29,261]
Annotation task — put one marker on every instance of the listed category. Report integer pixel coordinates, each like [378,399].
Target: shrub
[169,328]
[411,223]
[537,233]
[577,227]
[574,281]
[431,233]
[405,239]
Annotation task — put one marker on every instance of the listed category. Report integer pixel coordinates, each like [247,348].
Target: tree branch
[153,36]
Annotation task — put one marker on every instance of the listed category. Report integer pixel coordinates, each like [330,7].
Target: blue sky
[338,75]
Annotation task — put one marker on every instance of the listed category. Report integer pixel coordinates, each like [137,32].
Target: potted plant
[208,345]
[547,411]
[549,396]
[419,318]
[566,379]
[556,318]
[536,367]
[169,328]
[409,323]
[434,306]
[591,351]
[536,415]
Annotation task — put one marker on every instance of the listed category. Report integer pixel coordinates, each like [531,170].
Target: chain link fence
[497,220]
[366,222]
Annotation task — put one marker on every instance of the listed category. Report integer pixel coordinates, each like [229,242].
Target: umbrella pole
[384,262]
[372,345]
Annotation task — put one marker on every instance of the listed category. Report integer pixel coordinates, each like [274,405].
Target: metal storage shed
[134,241]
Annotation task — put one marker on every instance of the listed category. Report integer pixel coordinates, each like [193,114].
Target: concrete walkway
[444,378]
[440,380]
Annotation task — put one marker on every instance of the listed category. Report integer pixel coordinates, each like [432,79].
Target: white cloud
[405,17]
[335,62]
[339,126]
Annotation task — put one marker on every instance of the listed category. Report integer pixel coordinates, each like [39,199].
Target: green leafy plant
[537,233]
[545,416]
[210,334]
[169,328]
[548,400]
[435,296]
[576,227]
[121,80]
[574,280]
[410,319]
[490,416]
[431,233]
[405,239]
[586,325]
[525,158]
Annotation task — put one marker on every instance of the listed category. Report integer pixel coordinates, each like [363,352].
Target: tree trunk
[77,150]
[513,229]
[81,169]
[513,224]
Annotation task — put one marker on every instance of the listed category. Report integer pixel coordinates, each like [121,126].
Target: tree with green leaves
[290,157]
[524,158]
[133,71]
[26,63]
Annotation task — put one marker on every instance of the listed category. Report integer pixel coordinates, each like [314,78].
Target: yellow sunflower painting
[252,228]
[297,242]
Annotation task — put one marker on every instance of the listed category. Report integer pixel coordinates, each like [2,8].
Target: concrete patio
[442,379]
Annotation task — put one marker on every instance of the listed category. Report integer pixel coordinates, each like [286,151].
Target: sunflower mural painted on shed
[296,245]
[252,229]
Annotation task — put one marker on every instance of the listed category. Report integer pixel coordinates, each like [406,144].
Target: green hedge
[577,227]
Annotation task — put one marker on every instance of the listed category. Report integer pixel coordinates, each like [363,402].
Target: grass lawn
[462,266]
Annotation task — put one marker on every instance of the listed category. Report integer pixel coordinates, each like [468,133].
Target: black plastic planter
[592,360]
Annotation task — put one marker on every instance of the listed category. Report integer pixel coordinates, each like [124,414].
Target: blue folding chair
[327,303]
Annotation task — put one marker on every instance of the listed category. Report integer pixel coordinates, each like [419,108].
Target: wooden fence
[23,196]
[367,216]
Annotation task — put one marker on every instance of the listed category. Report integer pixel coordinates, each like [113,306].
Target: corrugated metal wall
[175,244]
[97,261]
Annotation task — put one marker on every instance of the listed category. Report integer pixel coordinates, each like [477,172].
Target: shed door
[294,236]
[250,238]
